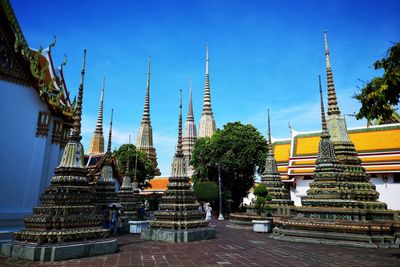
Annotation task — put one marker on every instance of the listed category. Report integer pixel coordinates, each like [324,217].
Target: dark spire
[128,161]
[110,133]
[325,133]
[146,109]
[269,137]
[179,145]
[76,126]
[207,96]
[332,100]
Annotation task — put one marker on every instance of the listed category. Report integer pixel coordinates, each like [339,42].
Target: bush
[206,191]
[261,190]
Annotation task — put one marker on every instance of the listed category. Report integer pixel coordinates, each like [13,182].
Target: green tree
[262,197]
[145,169]
[381,94]
[240,151]
[206,191]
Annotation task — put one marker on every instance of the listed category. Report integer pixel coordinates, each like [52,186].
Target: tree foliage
[381,94]
[144,170]
[239,149]
[206,191]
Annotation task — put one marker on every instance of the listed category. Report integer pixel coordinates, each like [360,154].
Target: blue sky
[263,54]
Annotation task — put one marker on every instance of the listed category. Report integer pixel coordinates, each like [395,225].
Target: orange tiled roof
[159,184]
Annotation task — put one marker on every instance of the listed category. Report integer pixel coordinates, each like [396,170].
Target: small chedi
[281,202]
[128,197]
[178,218]
[105,187]
[65,224]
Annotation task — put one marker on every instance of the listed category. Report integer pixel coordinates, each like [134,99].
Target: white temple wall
[389,192]
[52,157]
[300,191]
[22,153]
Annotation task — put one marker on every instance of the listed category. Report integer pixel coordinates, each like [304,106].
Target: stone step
[378,240]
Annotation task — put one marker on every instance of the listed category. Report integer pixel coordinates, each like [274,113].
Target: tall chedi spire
[272,180]
[105,186]
[97,141]
[207,123]
[178,218]
[144,140]
[344,147]
[66,212]
[189,135]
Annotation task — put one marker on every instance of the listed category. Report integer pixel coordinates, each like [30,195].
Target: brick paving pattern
[232,247]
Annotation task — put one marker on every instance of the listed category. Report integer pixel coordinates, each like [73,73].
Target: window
[43,124]
[396,178]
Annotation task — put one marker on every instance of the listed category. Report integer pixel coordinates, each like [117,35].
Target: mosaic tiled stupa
[105,186]
[272,180]
[332,213]
[358,180]
[65,224]
[127,197]
[178,218]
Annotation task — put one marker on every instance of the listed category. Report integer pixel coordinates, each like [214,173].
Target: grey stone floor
[232,247]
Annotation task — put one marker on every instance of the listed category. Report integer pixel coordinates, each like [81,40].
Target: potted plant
[263,225]
[139,222]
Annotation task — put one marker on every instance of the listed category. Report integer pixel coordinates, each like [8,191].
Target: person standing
[113,217]
[208,213]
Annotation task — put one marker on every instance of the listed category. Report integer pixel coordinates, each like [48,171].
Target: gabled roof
[31,67]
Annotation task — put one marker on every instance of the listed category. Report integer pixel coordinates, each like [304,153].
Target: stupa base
[366,234]
[60,251]
[178,235]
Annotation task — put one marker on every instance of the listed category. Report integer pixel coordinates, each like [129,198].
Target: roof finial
[190,109]
[324,128]
[76,126]
[110,134]
[179,152]
[99,123]
[207,96]
[146,110]
[332,100]
[128,161]
[206,58]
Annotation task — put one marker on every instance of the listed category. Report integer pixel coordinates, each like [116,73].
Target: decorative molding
[65,135]
[43,124]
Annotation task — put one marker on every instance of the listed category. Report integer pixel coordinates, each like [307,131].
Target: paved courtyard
[232,247]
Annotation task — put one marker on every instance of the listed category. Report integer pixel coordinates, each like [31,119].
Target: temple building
[144,140]
[178,218]
[207,124]
[97,141]
[36,118]
[65,224]
[189,135]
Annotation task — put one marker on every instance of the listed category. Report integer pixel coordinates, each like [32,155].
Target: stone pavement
[232,247]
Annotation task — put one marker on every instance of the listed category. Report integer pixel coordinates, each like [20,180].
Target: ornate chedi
[272,180]
[144,140]
[361,189]
[178,218]
[105,186]
[66,212]
[207,123]
[332,213]
[97,141]
[127,196]
[189,135]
